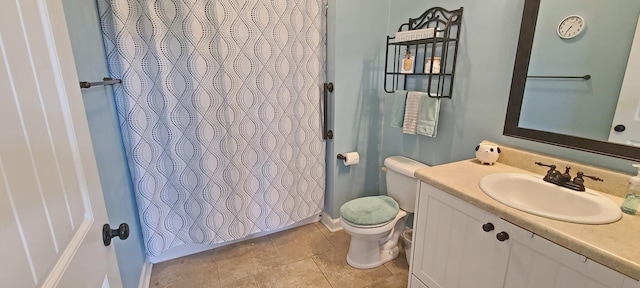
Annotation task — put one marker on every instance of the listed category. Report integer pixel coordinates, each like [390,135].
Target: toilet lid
[372,210]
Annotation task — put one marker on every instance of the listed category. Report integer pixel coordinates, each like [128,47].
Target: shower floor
[307,256]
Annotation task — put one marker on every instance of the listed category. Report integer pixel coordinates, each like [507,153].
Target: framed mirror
[576,78]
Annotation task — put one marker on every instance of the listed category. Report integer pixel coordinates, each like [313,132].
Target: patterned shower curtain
[220,114]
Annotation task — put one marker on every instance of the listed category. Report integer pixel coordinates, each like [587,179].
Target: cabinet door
[451,247]
[537,262]
[415,283]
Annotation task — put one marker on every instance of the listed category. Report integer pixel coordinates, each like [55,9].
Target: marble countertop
[615,245]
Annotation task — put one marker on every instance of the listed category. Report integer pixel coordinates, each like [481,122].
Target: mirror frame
[518,81]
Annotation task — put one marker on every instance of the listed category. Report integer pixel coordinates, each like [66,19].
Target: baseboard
[145,274]
[332,224]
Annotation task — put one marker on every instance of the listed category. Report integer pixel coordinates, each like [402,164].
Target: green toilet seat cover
[372,210]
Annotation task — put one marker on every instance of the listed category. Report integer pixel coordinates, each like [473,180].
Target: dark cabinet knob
[488,227]
[619,128]
[107,233]
[502,236]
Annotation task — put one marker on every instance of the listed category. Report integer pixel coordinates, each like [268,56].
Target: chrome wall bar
[105,81]
[585,77]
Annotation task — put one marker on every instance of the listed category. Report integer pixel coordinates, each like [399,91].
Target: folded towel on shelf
[411,111]
[428,116]
[397,112]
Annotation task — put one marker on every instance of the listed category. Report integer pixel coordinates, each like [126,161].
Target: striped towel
[428,116]
[412,107]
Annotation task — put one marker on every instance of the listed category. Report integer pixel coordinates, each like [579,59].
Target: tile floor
[307,256]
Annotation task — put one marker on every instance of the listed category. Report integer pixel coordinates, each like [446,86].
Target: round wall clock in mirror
[571,26]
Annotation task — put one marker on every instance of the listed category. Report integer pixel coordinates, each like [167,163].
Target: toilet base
[385,256]
[373,247]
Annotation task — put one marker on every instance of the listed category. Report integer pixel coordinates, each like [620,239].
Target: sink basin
[531,194]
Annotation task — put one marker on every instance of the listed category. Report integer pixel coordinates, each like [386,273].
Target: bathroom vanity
[464,238]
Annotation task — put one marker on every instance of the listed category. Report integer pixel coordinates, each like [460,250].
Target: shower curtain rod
[105,81]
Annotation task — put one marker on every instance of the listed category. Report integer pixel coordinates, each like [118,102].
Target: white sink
[531,194]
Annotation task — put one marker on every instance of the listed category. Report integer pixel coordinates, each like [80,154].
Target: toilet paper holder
[349,158]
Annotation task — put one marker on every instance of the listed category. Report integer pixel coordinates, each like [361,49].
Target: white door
[51,205]
[628,109]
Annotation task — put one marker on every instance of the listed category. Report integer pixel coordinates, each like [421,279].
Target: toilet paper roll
[351,158]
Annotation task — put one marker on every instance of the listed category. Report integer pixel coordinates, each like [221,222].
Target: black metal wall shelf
[421,41]
[399,73]
[444,45]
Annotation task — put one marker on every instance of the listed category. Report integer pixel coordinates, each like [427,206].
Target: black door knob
[619,128]
[488,227]
[107,233]
[502,236]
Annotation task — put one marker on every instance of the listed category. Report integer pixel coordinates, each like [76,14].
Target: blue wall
[477,110]
[489,37]
[355,48]
[580,108]
[86,37]
[489,34]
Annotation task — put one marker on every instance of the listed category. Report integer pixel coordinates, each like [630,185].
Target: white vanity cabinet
[538,262]
[450,246]
[454,246]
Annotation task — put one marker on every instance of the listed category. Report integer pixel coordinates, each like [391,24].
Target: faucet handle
[579,181]
[553,167]
[594,178]
[566,176]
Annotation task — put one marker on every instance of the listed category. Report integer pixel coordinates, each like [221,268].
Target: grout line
[217,270]
[323,274]
[255,281]
[321,232]
[334,243]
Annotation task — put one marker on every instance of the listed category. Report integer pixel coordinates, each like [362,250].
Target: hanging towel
[397,112]
[428,116]
[411,110]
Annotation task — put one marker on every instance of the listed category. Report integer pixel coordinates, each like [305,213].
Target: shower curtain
[220,114]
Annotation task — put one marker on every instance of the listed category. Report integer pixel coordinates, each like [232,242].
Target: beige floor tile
[241,249]
[337,239]
[191,271]
[301,243]
[248,282]
[323,229]
[303,273]
[398,265]
[297,250]
[259,263]
[395,281]
[309,231]
[333,265]
[250,262]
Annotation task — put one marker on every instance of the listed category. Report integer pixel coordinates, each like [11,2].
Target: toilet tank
[401,184]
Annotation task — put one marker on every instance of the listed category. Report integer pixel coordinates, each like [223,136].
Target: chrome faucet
[564,179]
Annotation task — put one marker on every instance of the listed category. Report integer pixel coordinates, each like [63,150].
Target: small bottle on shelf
[407,62]
[632,199]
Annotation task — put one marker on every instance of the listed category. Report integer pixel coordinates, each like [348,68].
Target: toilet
[376,222]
